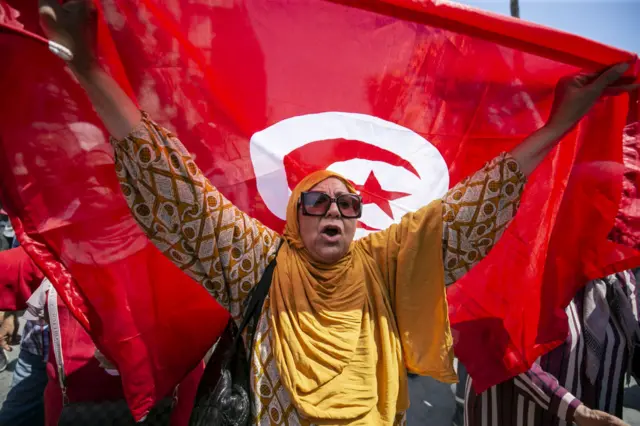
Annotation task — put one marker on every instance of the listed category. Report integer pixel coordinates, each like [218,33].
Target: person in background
[7,234]
[19,278]
[582,380]
[8,321]
[35,397]
[89,376]
[8,335]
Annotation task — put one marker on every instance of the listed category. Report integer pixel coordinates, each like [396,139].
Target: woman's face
[327,238]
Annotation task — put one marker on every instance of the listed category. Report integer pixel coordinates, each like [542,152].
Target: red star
[372,192]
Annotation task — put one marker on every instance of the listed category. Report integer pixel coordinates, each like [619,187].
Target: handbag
[224,392]
[102,413]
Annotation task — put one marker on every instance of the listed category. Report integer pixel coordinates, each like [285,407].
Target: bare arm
[116,110]
[574,97]
[469,231]
[73,26]
[531,151]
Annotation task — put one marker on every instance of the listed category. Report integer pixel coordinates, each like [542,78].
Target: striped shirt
[556,385]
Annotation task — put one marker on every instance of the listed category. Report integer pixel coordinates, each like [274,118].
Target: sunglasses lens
[349,205]
[316,203]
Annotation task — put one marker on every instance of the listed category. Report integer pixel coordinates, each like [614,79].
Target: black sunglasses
[316,203]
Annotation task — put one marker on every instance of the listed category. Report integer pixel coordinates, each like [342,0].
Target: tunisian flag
[404,98]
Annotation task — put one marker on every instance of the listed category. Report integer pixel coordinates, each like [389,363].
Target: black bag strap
[258,296]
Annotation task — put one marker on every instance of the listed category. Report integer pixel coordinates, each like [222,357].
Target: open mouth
[331,230]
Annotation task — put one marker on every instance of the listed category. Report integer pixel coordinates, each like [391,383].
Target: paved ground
[632,404]
[435,399]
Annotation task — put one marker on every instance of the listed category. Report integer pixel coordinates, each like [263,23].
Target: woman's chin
[328,254]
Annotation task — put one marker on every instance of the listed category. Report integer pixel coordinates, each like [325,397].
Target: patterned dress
[226,251]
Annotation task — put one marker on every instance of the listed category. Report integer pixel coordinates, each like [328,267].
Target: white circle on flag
[269,147]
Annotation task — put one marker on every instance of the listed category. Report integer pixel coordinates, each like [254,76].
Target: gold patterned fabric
[227,251]
[476,213]
[188,219]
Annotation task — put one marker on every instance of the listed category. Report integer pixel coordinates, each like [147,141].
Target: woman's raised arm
[478,210]
[73,26]
[574,97]
[176,206]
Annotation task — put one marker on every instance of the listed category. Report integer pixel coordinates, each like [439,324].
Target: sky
[613,22]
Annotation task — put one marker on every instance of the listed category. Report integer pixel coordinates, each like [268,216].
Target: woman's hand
[576,95]
[585,416]
[73,25]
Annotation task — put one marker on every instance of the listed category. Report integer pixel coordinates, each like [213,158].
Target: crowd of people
[340,336]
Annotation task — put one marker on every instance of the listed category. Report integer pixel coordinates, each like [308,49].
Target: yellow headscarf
[340,331]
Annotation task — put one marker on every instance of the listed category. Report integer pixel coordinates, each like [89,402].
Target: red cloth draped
[470,83]
[19,277]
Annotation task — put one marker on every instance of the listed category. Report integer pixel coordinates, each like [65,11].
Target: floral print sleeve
[188,219]
[477,211]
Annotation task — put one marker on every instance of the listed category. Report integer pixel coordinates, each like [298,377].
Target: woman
[344,320]
[19,277]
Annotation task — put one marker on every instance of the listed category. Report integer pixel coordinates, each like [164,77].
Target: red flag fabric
[144,314]
[404,98]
